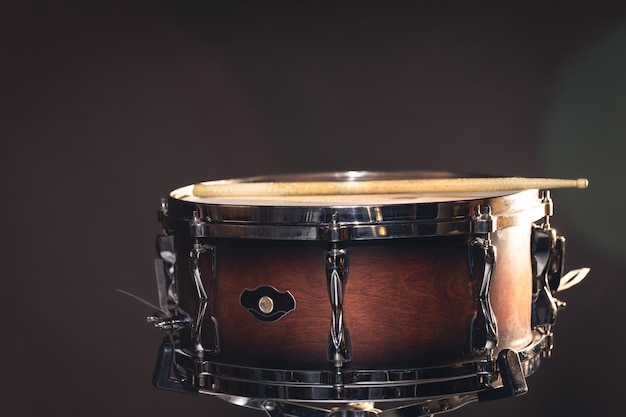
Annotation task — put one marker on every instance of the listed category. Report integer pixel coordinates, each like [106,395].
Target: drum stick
[406,186]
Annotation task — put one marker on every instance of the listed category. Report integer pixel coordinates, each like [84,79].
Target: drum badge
[266,303]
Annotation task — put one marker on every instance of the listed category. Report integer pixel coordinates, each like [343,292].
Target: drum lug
[548,251]
[484,330]
[197,251]
[339,350]
[548,261]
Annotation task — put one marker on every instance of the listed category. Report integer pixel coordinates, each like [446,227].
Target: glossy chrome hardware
[420,391]
[339,350]
[169,316]
[547,254]
[266,304]
[546,250]
[351,223]
[169,323]
[165,273]
[483,221]
[197,226]
[194,267]
[512,378]
[482,262]
[367,385]
[197,251]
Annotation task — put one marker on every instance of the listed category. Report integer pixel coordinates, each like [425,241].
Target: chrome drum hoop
[465,378]
[348,222]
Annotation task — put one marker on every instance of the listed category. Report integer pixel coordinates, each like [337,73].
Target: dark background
[107,107]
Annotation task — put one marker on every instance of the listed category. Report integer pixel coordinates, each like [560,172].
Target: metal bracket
[483,221]
[165,273]
[164,369]
[195,255]
[512,375]
[197,230]
[170,316]
[339,350]
[334,231]
[484,332]
[547,250]
[482,260]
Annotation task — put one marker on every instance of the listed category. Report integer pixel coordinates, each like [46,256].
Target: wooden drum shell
[407,302]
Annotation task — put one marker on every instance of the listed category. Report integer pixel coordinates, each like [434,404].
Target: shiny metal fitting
[167,323]
[483,221]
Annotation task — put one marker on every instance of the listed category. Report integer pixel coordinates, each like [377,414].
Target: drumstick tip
[582,183]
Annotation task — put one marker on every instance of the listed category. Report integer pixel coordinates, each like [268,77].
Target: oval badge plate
[266,303]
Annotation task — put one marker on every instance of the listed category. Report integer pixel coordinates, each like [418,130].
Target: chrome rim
[347,222]
[362,385]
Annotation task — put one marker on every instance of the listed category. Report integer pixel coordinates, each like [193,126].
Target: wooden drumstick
[406,186]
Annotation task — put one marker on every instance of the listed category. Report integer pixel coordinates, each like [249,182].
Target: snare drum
[279,300]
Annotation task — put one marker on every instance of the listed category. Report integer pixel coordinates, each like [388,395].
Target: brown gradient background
[106,108]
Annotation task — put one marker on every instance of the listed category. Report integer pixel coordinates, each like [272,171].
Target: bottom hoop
[431,389]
